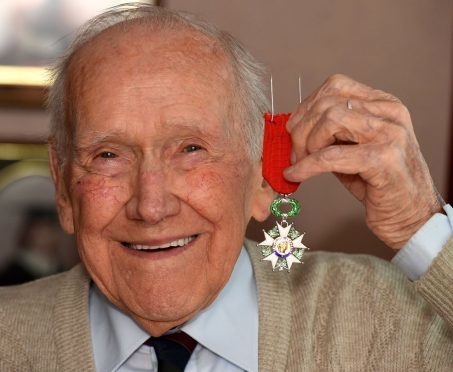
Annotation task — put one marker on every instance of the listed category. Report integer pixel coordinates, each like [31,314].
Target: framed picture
[33,33]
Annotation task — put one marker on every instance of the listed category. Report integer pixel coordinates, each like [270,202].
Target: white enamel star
[282,246]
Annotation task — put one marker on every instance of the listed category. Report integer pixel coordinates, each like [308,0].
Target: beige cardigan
[337,312]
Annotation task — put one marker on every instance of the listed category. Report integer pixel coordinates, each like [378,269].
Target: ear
[64,205]
[262,200]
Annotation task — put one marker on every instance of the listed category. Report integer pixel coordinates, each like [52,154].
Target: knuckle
[337,79]
[334,114]
[298,131]
[331,153]
[335,82]
[322,104]
[370,126]
[402,113]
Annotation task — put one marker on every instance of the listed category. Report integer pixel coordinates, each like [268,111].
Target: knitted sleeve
[436,286]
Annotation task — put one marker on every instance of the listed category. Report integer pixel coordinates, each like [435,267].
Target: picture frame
[24,58]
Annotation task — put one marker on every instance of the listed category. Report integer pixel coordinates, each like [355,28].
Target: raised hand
[365,136]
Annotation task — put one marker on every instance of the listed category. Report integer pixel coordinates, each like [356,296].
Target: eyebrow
[94,137]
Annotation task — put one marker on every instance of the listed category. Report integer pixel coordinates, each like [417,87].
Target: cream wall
[403,47]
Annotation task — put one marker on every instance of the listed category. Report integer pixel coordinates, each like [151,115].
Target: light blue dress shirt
[233,316]
[118,340]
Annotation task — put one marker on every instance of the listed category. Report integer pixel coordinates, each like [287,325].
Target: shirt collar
[114,334]
[233,316]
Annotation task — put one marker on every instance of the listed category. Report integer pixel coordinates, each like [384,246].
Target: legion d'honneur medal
[283,243]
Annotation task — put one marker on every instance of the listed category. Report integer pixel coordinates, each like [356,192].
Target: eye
[191,148]
[107,155]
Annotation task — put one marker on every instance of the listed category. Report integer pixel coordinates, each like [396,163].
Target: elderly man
[155,153]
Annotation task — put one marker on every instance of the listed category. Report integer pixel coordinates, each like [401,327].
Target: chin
[159,316]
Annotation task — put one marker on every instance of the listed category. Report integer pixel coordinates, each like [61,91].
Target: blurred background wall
[403,47]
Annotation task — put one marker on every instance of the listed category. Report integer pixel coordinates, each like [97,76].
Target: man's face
[160,188]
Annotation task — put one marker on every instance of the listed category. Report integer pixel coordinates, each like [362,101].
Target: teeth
[176,243]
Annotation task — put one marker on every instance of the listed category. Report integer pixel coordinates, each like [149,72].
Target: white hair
[250,97]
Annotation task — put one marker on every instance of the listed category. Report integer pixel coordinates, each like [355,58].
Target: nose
[152,199]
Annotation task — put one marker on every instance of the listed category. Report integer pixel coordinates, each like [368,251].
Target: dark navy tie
[173,351]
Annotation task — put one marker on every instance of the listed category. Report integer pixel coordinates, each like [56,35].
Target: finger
[330,121]
[301,129]
[318,99]
[339,124]
[299,111]
[340,86]
[363,160]
[387,109]
[345,86]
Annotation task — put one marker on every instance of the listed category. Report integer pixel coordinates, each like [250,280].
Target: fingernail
[288,171]
[293,157]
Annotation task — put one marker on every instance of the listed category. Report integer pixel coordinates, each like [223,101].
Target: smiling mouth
[178,243]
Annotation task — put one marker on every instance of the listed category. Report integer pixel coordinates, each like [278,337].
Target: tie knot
[172,350]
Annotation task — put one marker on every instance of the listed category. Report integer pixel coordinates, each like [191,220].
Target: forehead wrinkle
[132,40]
[184,46]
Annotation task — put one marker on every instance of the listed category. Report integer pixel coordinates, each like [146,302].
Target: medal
[283,244]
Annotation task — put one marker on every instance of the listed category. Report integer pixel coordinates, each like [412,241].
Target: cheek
[96,200]
[204,186]
[216,195]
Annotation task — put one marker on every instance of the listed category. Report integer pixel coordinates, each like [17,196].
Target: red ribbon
[277,152]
